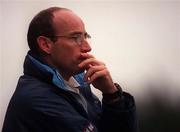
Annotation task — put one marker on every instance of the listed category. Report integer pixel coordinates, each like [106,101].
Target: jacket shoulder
[32,93]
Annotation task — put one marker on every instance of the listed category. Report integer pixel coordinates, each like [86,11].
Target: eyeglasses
[78,38]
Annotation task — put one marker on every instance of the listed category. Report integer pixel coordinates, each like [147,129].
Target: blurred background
[139,40]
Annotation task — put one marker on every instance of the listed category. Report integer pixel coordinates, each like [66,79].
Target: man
[54,93]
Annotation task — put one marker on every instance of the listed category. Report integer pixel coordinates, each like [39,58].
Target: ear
[45,44]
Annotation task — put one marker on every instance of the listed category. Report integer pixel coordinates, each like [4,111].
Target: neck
[65,76]
[63,73]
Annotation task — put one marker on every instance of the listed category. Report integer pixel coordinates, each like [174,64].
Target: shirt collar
[72,82]
[73,85]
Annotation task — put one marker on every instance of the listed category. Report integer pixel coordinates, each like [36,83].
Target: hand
[97,74]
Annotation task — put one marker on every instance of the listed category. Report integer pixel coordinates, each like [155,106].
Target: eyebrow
[77,33]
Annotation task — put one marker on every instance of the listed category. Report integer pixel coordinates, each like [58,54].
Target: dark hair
[41,25]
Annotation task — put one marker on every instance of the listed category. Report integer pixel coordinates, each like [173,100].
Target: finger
[92,70]
[86,55]
[91,61]
[87,63]
[97,75]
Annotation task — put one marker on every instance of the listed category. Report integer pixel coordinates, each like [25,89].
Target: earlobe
[44,44]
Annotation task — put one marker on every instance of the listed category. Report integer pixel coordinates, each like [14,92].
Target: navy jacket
[39,105]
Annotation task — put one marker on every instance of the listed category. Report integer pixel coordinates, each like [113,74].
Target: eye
[75,36]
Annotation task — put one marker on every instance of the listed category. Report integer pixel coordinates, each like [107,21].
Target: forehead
[66,21]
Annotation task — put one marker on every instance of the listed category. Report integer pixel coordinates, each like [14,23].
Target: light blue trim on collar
[80,79]
[57,79]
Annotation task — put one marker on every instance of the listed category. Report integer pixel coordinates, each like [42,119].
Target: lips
[81,58]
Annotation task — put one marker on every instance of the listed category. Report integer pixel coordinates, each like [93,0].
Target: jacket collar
[34,66]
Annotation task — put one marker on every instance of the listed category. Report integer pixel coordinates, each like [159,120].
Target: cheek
[65,54]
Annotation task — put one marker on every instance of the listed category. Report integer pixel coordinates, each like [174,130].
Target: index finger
[86,55]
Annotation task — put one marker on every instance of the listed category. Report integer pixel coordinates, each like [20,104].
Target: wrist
[110,89]
[114,96]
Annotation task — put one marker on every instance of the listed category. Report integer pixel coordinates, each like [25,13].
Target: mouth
[81,59]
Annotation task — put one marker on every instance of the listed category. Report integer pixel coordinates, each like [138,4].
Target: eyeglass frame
[77,37]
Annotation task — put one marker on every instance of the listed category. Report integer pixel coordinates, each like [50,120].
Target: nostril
[85,47]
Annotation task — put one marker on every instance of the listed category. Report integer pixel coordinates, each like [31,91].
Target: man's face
[66,52]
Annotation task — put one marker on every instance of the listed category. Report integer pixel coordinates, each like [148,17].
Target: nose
[85,46]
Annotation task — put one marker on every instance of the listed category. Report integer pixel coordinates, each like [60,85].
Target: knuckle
[93,68]
[106,71]
[96,74]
